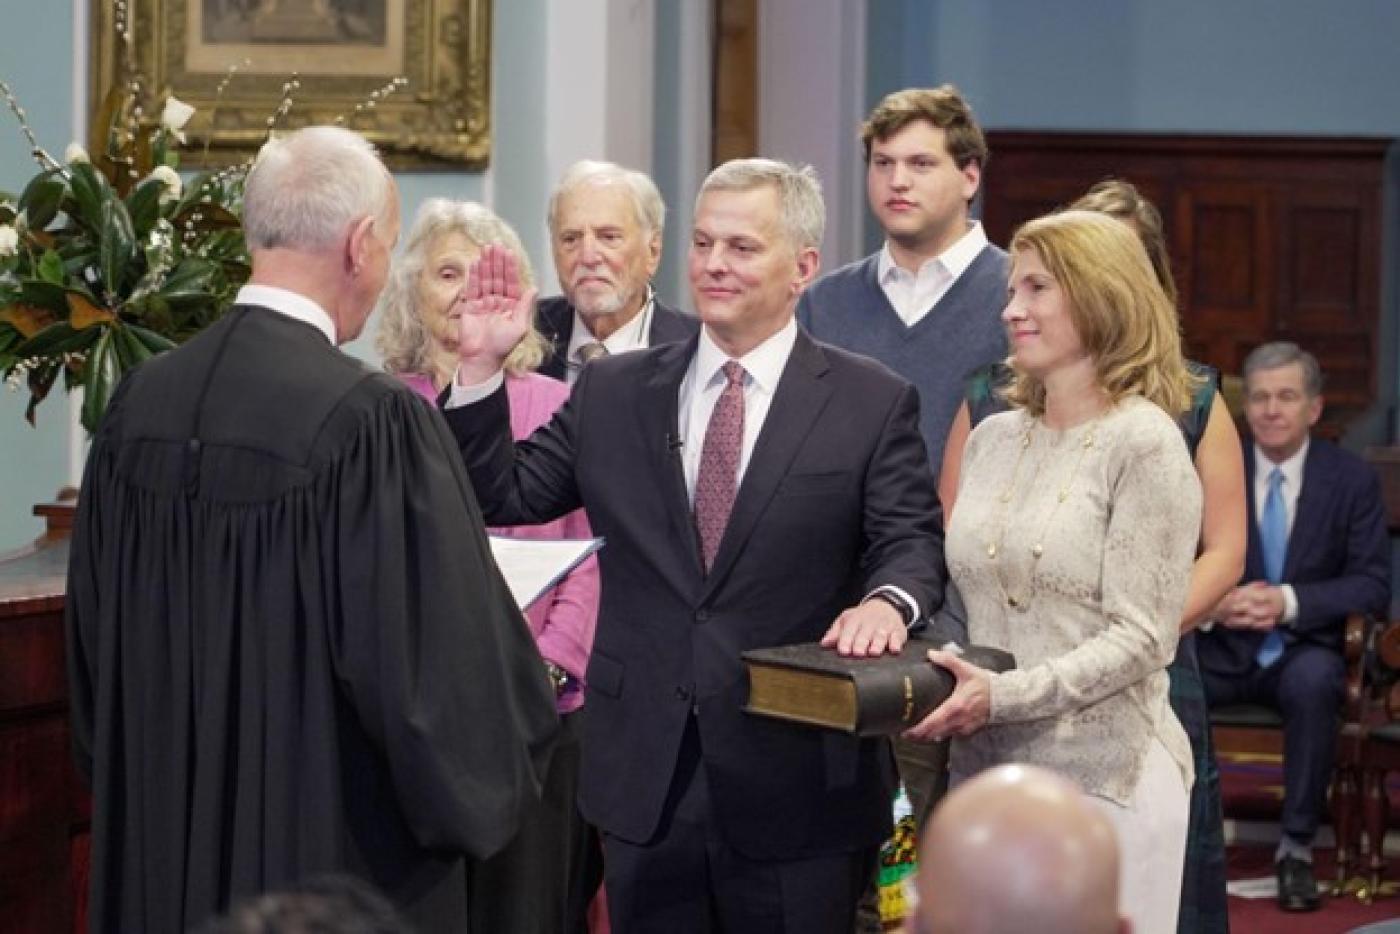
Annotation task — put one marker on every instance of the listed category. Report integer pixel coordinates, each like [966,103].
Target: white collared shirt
[700,390]
[634,335]
[288,303]
[914,296]
[1292,486]
[704,381]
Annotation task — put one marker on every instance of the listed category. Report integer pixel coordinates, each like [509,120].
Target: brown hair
[943,107]
[1121,200]
[1124,319]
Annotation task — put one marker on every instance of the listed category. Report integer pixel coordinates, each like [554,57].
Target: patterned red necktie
[717,478]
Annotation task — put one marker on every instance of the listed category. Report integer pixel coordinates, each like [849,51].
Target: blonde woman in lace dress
[1077,521]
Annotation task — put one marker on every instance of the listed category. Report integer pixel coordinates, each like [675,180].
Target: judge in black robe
[290,651]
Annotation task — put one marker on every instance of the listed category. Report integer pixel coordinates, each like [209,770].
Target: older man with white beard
[605,225]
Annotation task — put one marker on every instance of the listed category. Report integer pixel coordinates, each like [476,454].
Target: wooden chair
[1379,754]
[1257,730]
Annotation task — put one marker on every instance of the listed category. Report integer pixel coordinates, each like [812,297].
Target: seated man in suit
[605,226]
[1018,848]
[755,488]
[1318,551]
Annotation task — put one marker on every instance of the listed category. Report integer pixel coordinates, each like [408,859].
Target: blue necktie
[1273,542]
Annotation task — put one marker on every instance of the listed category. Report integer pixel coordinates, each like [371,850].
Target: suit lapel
[1310,515]
[668,325]
[657,406]
[556,323]
[1254,556]
[801,395]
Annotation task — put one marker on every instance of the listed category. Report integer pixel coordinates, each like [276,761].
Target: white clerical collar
[291,304]
[764,364]
[953,260]
[1292,467]
[631,336]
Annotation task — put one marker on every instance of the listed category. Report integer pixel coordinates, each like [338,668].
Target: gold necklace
[995,547]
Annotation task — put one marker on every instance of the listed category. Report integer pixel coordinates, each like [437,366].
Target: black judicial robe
[290,651]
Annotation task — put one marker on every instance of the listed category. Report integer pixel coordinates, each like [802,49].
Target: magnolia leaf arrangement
[107,259]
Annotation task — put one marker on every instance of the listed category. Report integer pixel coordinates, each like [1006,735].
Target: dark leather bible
[878,696]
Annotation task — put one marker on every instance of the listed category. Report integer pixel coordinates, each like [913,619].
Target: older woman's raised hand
[492,312]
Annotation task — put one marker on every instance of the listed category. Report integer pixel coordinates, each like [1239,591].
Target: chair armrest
[1355,649]
[1388,646]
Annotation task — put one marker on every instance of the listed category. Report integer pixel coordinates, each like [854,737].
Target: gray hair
[799,194]
[403,341]
[1282,353]
[305,188]
[647,205]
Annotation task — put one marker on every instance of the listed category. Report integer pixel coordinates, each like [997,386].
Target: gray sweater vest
[962,332]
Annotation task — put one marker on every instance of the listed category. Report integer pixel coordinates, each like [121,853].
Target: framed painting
[412,75]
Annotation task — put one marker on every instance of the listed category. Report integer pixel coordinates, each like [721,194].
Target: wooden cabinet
[44,806]
[1271,239]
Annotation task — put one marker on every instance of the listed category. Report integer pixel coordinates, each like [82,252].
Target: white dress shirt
[913,296]
[634,335]
[703,383]
[290,304]
[1292,485]
[700,391]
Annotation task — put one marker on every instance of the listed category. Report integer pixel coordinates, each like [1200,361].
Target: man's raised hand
[493,314]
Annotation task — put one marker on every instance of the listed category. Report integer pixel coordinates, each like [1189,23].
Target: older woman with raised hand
[1072,545]
[525,888]
[1215,447]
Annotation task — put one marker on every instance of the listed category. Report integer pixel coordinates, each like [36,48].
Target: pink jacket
[563,621]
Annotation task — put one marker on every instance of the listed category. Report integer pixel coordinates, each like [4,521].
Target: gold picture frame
[343,53]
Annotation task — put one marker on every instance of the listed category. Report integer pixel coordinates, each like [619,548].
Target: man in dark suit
[1317,551]
[605,225]
[755,488]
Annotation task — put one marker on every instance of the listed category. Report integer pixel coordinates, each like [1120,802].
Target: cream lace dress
[1093,620]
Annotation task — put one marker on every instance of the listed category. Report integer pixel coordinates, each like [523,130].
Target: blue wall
[33,461]
[1245,66]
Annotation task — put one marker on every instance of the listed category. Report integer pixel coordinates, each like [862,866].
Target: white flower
[170,179]
[176,114]
[74,154]
[9,241]
[161,236]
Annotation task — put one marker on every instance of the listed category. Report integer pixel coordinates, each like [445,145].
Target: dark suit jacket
[1338,559]
[555,319]
[837,499]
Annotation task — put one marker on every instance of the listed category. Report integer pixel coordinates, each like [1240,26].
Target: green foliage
[112,264]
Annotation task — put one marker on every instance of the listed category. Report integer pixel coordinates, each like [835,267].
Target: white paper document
[531,566]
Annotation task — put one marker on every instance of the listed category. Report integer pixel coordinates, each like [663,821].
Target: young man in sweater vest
[928,303]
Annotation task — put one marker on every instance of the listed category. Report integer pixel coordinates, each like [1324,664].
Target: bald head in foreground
[1019,849]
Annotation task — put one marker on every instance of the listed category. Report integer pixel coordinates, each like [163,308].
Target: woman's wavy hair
[1124,319]
[403,341]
